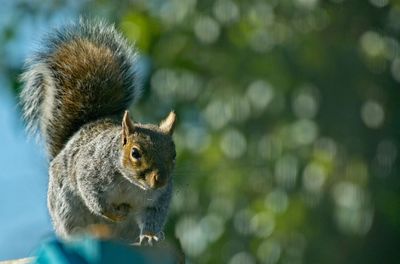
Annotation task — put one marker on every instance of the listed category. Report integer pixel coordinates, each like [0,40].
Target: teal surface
[89,251]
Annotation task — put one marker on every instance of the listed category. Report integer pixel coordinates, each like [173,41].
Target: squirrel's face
[148,152]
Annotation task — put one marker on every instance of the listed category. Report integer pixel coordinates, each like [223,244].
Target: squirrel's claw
[148,239]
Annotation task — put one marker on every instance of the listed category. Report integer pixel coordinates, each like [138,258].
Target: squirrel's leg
[152,220]
[96,199]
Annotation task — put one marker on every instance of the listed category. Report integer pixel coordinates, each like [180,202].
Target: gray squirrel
[104,168]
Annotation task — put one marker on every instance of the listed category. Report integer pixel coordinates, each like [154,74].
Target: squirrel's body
[75,181]
[76,91]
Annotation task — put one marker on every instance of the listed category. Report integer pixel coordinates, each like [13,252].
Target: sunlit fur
[82,72]
[157,155]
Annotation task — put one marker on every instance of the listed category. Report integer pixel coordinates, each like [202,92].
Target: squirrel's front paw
[149,239]
[118,212]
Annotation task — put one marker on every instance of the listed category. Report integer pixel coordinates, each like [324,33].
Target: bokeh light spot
[226,11]
[372,114]
[206,29]
[325,149]
[286,170]
[372,44]
[217,114]
[307,4]
[269,251]
[379,3]
[304,103]
[386,153]
[175,11]
[242,222]
[348,195]
[197,138]
[277,201]
[270,147]
[193,239]
[304,131]
[260,93]
[262,224]
[395,69]
[222,207]
[242,258]
[240,108]
[213,226]
[233,144]
[314,177]
[262,40]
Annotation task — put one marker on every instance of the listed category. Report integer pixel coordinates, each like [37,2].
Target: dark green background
[288,120]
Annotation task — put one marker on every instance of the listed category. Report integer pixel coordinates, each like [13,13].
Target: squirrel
[104,168]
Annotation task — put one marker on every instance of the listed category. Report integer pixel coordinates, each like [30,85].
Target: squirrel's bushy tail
[83,72]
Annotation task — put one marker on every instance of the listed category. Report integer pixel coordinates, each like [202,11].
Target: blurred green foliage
[288,122]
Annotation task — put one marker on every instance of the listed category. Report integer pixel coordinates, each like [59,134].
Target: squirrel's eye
[136,154]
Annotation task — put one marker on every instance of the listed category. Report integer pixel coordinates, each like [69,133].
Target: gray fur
[86,180]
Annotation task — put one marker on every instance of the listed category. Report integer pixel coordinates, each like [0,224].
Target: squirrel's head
[148,152]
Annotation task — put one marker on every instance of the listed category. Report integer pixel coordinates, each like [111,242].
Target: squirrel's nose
[155,180]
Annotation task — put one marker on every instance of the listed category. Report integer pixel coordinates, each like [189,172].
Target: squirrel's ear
[168,124]
[127,127]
